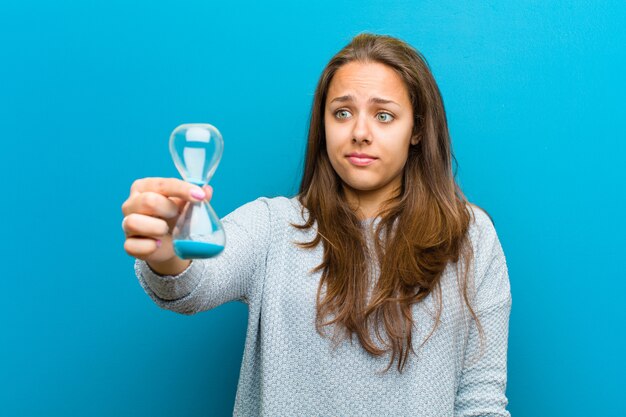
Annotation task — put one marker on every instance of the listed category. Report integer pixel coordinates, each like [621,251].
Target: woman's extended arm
[207,283]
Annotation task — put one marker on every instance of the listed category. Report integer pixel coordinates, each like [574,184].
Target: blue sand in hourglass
[191,249]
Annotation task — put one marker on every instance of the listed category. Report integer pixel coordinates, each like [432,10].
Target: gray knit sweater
[288,369]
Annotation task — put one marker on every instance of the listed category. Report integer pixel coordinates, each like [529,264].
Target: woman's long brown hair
[420,231]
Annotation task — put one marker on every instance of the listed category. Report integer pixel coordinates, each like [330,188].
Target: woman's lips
[360,161]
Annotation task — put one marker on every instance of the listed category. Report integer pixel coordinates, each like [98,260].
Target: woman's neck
[366,204]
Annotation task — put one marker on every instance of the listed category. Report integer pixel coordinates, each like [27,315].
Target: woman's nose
[361,131]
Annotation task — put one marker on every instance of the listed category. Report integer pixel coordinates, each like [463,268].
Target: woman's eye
[342,114]
[384,117]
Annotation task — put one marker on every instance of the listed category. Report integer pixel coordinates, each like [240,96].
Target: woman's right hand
[150,214]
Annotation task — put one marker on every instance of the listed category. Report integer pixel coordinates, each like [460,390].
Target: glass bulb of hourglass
[196,150]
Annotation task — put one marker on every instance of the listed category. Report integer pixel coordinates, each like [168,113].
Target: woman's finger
[151,204]
[141,248]
[141,225]
[169,187]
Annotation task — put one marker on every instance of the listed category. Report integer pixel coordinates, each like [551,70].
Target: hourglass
[196,150]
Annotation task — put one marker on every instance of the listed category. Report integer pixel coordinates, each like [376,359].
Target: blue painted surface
[90,92]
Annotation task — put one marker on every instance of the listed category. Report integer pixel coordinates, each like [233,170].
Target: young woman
[378,290]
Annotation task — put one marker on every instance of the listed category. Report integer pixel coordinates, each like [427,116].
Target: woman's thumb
[208,190]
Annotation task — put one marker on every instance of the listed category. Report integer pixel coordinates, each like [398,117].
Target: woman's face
[368,122]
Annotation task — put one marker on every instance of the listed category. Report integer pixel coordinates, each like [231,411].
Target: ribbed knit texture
[288,369]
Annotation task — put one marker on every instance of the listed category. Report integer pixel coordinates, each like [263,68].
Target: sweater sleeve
[482,389]
[232,275]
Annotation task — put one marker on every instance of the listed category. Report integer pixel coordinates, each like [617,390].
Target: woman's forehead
[359,81]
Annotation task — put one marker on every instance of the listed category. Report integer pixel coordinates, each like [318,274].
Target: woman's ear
[415,139]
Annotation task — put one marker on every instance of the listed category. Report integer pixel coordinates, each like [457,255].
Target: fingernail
[158,243]
[198,194]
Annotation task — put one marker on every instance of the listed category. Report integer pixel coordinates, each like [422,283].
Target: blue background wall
[89,92]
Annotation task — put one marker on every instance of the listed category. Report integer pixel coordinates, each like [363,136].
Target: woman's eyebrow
[378,100]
